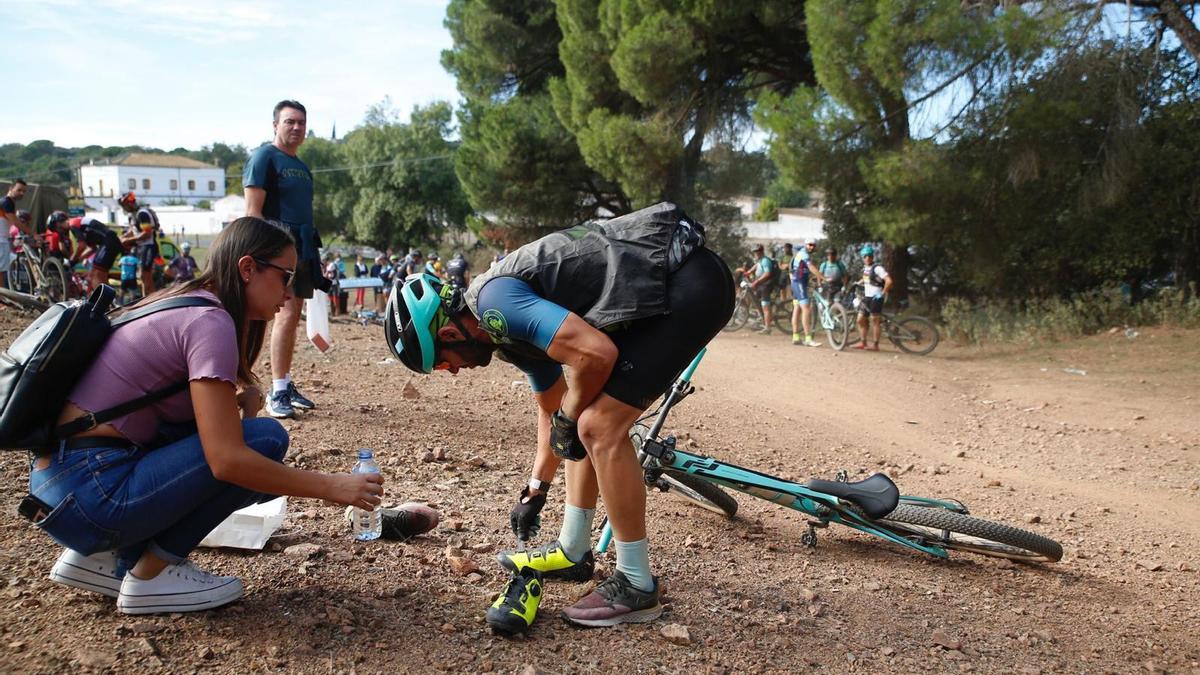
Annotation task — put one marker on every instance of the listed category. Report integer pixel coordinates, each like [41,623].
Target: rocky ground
[1105,462]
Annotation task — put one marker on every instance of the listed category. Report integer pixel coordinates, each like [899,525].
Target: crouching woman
[130,506]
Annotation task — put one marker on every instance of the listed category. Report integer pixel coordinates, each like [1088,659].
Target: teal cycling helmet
[867,250]
[409,324]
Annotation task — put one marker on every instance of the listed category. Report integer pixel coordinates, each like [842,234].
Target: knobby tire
[970,534]
[914,335]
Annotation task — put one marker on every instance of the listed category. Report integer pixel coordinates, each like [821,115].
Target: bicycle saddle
[877,495]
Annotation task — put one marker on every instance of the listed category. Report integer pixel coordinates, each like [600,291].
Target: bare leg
[795,318]
[148,566]
[283,337]
[147,282]
[807,318]
[604,429]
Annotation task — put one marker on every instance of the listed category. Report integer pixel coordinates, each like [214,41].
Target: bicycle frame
[824,508]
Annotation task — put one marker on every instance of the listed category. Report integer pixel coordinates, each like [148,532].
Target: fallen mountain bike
[873,505]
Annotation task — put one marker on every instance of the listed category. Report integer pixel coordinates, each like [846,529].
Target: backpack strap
[92,420]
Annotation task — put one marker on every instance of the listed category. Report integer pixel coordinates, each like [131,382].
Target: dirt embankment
[1107,463]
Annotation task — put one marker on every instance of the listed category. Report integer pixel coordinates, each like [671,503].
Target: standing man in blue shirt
[279,188]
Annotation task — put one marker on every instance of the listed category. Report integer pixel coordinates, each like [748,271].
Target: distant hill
[46,163]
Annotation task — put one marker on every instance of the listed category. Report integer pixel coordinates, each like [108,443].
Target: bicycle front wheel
[783,315]
[54,279]
[914,335]
[20,275]
[970,534]
[839,335]
[700,492]
[741,312]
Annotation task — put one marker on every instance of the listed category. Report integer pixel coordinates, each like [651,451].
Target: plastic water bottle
[367,524]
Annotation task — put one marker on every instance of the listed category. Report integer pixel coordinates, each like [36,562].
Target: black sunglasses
[288,275]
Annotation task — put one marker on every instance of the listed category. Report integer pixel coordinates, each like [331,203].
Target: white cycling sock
[633,560]
[281,384]
[575,537]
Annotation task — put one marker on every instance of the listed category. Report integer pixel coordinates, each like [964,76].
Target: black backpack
[44,363]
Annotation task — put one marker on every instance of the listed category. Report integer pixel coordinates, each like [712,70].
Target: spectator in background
[835,272]
[129,277]
[376,272]
[876,283]
[331,273]
[8,218]
[434,265]
[183,267]
[279,187]
[414,262]
[360,270]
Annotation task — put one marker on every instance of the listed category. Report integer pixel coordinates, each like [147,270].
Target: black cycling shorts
[147,254]
[107,253]
[653,352]
[871,306]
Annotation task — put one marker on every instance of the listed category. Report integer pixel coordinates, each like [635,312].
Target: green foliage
[44,162]
[1051,319]
[517,161]
[787,196]
[767,211]
[404,190]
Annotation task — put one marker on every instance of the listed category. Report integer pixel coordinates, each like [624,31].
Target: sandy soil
[1108,463]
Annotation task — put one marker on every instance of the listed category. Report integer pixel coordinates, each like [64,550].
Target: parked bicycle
[832,317]
[35,280]
[873,505]
[747,311]
[912,334]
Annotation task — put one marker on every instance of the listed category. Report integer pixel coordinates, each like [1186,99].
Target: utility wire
[373,165]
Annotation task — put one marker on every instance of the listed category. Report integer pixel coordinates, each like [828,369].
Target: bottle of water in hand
[367,524]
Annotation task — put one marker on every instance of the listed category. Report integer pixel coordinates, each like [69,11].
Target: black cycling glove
[564,438]
[526,518]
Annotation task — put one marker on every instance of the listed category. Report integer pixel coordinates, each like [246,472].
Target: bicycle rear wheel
[914,334]
[970,534]
[54,279]
[840,333]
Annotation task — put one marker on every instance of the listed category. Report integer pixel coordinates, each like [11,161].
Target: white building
[153,178]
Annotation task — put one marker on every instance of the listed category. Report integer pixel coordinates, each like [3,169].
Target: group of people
[601,318]
[456,271]
[78,239]
[792,273]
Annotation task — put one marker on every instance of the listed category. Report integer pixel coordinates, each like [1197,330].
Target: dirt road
[1108,463]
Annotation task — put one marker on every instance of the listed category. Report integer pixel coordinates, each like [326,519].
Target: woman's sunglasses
[288,275]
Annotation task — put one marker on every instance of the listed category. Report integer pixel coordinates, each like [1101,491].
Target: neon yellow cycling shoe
[516,607]
[551,561]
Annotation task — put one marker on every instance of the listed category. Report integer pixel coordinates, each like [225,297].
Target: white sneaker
[178,588]
[96,572]
[809,342]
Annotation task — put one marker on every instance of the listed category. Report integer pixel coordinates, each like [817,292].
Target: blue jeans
[163,499]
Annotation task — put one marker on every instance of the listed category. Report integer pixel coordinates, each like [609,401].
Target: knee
[600,434]
[266,436]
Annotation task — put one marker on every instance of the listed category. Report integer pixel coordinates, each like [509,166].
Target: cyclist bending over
[552,303]
[876,283]
[91,237]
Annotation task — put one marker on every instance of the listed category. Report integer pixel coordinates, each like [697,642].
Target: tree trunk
[1175,19]
[898,262]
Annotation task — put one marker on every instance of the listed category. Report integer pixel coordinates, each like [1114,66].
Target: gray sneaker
[299,400]
[615,601]
[280,405]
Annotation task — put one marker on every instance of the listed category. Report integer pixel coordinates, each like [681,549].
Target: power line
[374,165]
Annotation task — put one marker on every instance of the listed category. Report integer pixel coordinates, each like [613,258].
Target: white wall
[790,227]
[102,184]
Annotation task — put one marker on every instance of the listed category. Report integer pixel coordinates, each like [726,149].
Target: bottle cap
[366,453]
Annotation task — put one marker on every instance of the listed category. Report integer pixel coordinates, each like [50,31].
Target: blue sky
[170,73]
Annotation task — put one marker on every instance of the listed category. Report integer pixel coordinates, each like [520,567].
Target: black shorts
[304,283]
[871,306]
[653,352]
[147,254]
[107,253]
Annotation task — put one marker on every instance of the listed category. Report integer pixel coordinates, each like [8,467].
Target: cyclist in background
[433,265]
[876,283]
[129,278]
[92,238]
[802,270]
[459,271]
[763,277]
[144,239]
[183,267]
[835,273]
[784,259]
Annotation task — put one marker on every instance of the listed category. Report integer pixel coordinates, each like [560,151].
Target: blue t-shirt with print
[287,181]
